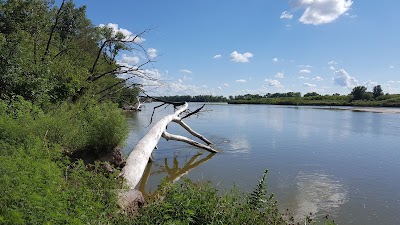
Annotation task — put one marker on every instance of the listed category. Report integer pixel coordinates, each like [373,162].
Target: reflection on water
[240,145]
[316,193]
[173,172]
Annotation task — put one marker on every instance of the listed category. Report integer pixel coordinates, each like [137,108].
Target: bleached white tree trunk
[139,157]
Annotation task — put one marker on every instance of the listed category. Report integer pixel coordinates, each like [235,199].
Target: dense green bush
[97,128]
[39,184]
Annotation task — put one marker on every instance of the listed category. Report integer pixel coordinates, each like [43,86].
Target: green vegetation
[358,97]
[39,182]
[197,98]
[194,203]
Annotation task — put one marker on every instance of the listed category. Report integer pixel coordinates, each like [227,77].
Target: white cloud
[280,75]
[332,68]
[130,59]
[321,11]
[185,71]
[241,81]
[317,78]
[220,88]
[225,85]
[286,15]
[243,58]
[391,67]
[275,60]
[305,71]
[304,66]
[309,85]
[370,84]
[180,81]
[332,63]
[273,83]
[152,53]
[304,78]
[342,78]
[217,56]
[128,34]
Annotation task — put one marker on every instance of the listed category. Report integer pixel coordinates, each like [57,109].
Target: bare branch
[53,30]
[174,137]
[194,112]
[191,131]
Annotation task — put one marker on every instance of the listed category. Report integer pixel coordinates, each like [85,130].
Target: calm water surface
[320,161]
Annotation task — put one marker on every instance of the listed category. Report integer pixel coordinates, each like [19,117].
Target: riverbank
[306,101]
[366,109]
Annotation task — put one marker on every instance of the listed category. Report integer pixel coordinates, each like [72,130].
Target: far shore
[370,109]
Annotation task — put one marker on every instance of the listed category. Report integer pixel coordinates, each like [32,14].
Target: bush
[40,185]
[189,203]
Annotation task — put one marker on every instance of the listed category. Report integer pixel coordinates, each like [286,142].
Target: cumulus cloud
[305,71]
[370,84]
[305,66]
[332,68]
[321,11]
[304,78]
[279,75]
[317,78]
[217,56]
[286,15]
[185,71]
[152,53]
[275,60]
[225,85]
[131,60]
[129,36]
[309,85]
[238,57]
[332,63]
[342,78]
[241,81]
[273,83]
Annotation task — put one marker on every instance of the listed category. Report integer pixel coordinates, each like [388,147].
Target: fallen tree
[137,161]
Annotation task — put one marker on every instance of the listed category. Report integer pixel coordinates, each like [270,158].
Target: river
[320,160]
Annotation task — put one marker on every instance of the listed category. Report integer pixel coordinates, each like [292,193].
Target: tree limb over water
[140,155]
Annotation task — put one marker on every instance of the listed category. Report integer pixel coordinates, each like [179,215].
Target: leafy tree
[377,91]
[311,94]
[358,92]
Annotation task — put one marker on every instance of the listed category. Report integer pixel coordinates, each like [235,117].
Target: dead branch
[175,137]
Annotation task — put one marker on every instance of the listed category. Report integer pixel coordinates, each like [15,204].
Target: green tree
[358,92]
[311,94]
[377,91]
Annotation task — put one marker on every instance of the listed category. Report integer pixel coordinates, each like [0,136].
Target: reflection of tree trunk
[145,177]
[174,173]
[139,157]
[191,164]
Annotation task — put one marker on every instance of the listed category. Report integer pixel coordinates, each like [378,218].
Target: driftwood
[140,155]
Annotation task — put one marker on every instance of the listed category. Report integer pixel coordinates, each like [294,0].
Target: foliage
[39,183]
[358,92]
[377,91]
[200,203]
[313,98]
[197,98]
[50,54]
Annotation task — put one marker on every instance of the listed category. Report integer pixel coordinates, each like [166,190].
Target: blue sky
[259,46]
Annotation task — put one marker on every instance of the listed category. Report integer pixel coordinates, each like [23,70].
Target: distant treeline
[359,96]
[197,98]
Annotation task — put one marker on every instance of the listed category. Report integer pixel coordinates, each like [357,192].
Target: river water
[321,160]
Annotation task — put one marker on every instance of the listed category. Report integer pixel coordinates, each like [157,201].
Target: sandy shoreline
[366,109]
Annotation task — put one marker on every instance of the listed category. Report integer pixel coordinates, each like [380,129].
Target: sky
[237,47]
